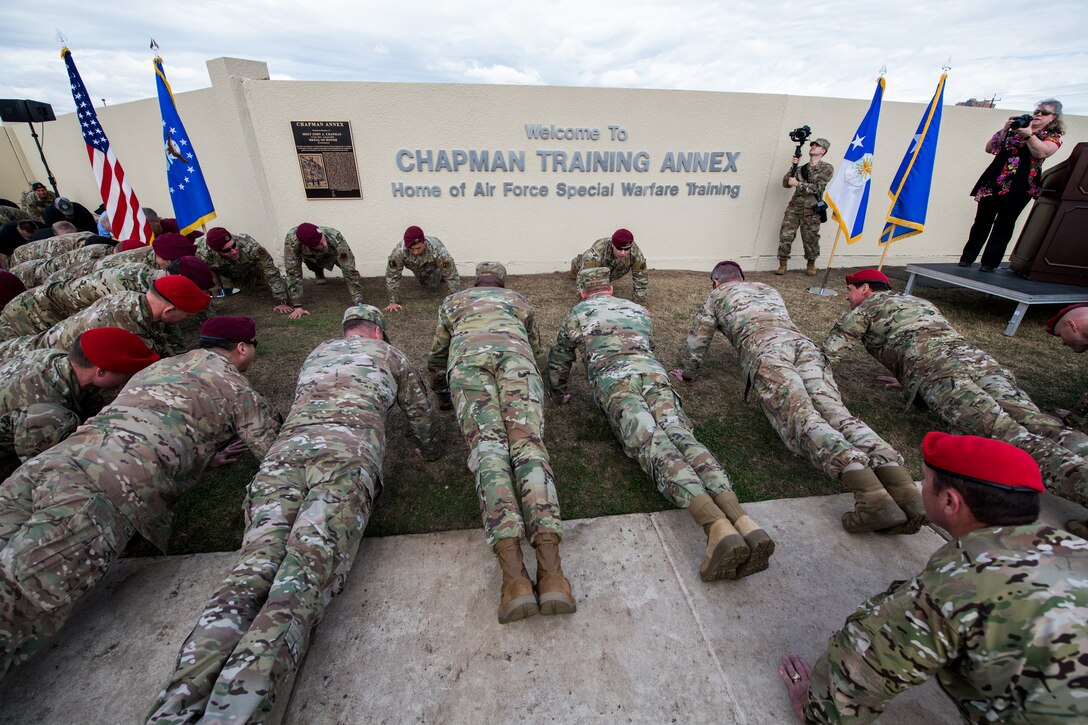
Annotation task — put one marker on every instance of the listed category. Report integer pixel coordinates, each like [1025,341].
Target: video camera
[1019,122]
[799,136]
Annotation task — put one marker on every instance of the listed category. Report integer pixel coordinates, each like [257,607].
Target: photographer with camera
[807,209]
[1011,180]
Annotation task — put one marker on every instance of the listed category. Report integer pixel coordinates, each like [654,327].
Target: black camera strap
[804,172]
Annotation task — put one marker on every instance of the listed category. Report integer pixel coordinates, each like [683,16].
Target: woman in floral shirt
[1011,181]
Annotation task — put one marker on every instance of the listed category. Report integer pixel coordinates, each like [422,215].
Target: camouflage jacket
[480,320]
[600,255]
[434,258]
[155,440]
[254,262]
[353,383]
[337,253]
[41,377]
[46,248]
[911,338]
[35,272]
[127,310]
[35,207]
[751,315]
[809,192]
[141,255]
[11,214]
[999,615]
[615,337]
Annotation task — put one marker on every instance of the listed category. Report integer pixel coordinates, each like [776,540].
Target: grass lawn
[594,477]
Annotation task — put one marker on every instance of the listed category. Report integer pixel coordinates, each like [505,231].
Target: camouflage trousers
[646,417]
[992,406]
[798,394]
[797,216]
[431,277]
[498,397]
[37,428]
[307,508]
[59,534]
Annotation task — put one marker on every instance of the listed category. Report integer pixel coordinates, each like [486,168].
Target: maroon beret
[172,246]
[867,275]
[182,293]
[729,262]
[10,287]
[1053,321]
[116,350]
[169,224]
[129,244]
[412,235]
[231,328]
[982,460]
[308,234]
[217,238]
[622,239]
[195,269]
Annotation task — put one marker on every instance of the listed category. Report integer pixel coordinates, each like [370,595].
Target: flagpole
[822,290]
[882,256]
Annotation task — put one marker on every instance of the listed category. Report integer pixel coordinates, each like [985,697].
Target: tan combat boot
[1078,528]
[781,265]
[900,486]
[759,541]
[518,600]
[873,508]
[725,548]
[552,587]
[810,269]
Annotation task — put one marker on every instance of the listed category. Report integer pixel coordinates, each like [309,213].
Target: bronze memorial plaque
[326,158]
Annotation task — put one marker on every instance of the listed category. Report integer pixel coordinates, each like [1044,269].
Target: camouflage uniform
[601,255]
[790,375]
[38,309]
[140,255]
[430,268]
[307,508]
[66,514]
[40,403]
[11,214]
[34,272]
[337,254]
[47,248]
[615,338]
[127,310]
[998,615]
[34,206]
[799,213]
[253,266]
[965,386]
[485,347]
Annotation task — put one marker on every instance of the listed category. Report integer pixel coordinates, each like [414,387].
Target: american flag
[127,220]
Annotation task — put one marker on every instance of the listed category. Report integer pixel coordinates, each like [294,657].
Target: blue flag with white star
[848,192]
[188,193]
[910,187]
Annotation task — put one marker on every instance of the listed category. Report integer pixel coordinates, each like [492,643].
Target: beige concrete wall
[241,130]
[13,167]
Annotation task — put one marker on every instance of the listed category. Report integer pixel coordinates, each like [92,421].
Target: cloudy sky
[1018,52]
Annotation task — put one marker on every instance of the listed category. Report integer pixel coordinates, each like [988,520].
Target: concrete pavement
[413,637]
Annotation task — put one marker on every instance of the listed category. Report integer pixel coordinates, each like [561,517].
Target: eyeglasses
[228,248]
[1041,112]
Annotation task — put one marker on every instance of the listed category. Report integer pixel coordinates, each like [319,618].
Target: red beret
[730,262]
[116,350]
[173,246]
[1053,321]
[412,235]
[622,239]
[217,238]
[308,234]
[867,275]
[197,270]
[230,327]
[982,460]
[182,293]
[10,287]
[169,224]
[129,244]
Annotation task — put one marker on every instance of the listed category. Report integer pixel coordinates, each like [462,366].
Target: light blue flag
[848,192]
[910,187]
[188,193]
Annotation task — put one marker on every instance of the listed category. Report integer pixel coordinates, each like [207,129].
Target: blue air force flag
[188,193]
[848,192]
[910,187]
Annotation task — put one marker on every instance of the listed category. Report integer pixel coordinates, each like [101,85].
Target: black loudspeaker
[17,110]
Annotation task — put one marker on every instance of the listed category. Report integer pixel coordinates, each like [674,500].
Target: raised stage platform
[1000,283]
